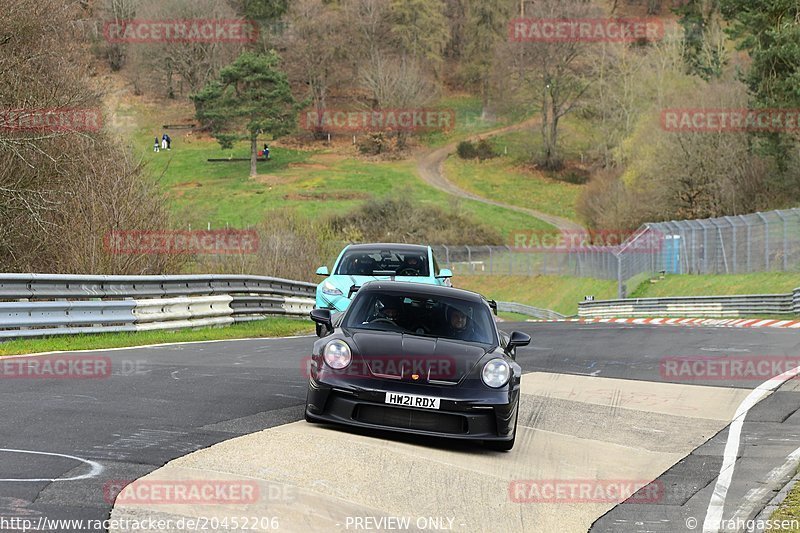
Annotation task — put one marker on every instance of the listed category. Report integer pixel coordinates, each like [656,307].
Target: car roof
[419,248]
[423,289]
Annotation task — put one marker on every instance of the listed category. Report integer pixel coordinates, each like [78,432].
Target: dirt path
[430,169]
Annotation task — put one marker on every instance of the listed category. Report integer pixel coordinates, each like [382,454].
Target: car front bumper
[463,414]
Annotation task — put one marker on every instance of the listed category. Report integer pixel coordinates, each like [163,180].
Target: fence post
[766,241]
[785,242]
[735,244]
[749,244]
[528,255]
[469,259]
[620,287]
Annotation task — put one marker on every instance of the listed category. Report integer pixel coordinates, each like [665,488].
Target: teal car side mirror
[323,271]
[445,273]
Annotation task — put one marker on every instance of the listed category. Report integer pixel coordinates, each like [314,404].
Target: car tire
[503,445]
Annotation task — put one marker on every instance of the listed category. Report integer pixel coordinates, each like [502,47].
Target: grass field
[500,180]
[270,327]
[757,283]
[510,178]
[788,510]
[562,294]
[313,183]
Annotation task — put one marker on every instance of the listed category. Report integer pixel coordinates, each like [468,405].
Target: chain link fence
[758,242]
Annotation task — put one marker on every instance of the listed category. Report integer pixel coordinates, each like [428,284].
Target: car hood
[403,356]
[344,282]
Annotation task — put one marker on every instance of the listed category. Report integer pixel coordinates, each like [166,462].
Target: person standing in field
[155,146]
[164,141]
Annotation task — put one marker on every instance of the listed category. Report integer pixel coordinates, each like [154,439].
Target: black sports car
[418,359]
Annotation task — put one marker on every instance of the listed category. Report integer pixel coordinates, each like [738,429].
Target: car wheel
[503,445]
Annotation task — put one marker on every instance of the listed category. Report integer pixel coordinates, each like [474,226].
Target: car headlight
[337,354]
[329,288]
[496,373]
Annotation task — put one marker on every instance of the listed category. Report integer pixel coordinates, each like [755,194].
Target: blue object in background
[672,254]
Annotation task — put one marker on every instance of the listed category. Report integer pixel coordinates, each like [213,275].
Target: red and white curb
[708,322]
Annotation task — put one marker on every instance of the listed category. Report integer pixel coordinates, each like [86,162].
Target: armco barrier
[699,306]
[542,314]
[34,305]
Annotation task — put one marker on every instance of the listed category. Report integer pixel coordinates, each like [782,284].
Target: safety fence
[33,305]
[759,242]
[698,306]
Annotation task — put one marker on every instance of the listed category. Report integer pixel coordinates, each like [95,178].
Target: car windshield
[434,316]
[384,262]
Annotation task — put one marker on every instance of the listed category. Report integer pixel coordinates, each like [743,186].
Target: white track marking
[716,506]
[3,357]
[94,472]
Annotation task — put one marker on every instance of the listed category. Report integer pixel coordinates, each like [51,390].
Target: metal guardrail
[34,305]
[542,314]
[699,306]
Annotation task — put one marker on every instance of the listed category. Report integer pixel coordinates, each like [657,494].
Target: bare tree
[117,12]
[178,68]
[397,84]
[317,51]
[62,189]
[550,76]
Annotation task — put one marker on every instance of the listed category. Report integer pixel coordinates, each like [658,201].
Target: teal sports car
[360,263]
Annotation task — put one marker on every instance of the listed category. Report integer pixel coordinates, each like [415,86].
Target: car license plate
[412,400]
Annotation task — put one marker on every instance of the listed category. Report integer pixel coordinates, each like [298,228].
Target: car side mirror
[445,273]
[323,271]
[517,339]
[323,319]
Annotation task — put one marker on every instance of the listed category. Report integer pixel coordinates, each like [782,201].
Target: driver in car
[411,265]
[387,309]
[459,324]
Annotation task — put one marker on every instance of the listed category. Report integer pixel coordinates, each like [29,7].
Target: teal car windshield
[439,316]
[383,263]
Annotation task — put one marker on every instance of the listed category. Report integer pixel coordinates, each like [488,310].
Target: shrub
[373,144]
[466,150]
[485,150]
[403,220]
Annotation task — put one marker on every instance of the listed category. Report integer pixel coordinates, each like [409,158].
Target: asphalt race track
[596,406]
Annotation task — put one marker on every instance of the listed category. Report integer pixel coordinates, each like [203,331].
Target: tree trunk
[485,98]
[254,155]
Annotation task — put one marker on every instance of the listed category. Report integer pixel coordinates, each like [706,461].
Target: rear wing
[493,305]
